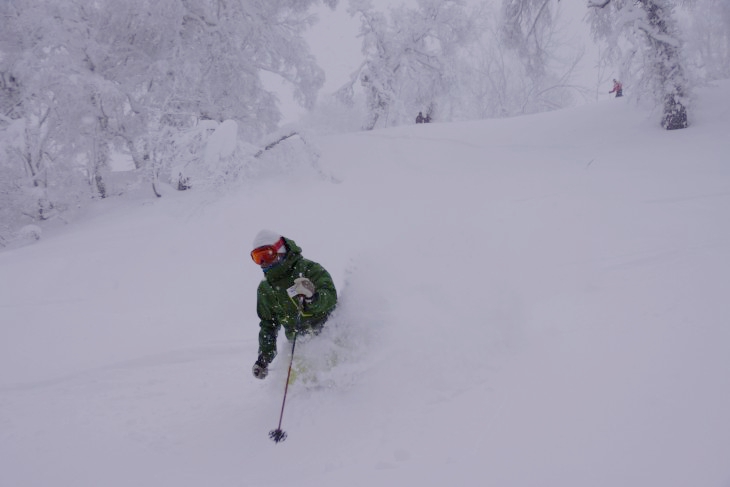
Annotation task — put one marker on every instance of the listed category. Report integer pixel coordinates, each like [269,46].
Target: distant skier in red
[617,88]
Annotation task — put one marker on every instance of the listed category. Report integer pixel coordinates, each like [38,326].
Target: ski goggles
[267,254]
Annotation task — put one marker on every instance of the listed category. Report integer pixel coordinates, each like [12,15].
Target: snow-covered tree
[708,38]
[524,62]
[410,57]
[527,28]
[48,102]
[86,79]
[653,58]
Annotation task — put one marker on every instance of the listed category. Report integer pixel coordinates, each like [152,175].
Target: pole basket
[277,435]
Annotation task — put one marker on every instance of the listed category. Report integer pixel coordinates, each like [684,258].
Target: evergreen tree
[656,54]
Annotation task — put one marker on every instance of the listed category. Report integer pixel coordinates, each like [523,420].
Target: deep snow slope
[534,301]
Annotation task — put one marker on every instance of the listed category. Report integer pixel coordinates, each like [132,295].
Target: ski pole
[278,434]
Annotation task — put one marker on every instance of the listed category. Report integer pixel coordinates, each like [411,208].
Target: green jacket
[275,308]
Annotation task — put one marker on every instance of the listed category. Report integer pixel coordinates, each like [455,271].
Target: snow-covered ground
[537,301]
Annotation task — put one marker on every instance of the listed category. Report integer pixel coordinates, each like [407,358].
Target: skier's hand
[302,287]
[260,369]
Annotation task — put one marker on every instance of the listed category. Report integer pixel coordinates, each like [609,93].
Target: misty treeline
[154,82]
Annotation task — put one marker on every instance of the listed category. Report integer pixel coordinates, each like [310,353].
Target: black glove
[260,368]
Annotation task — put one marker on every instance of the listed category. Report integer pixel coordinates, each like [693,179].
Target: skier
[617,88]
[295,293]
[419,117]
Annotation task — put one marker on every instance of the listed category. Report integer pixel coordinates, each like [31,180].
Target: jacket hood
[282,269]
[292,246]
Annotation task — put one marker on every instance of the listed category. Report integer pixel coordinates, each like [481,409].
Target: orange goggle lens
[266,254]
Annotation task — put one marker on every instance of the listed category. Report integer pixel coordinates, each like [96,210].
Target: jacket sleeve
[325,294]
[269,329]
